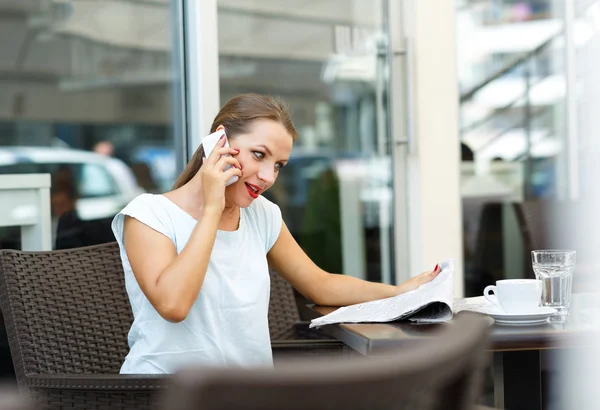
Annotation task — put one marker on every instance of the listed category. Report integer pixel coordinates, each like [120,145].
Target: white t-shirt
[228,323]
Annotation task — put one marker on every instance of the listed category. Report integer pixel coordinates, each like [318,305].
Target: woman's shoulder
[153,206]
[150,209]
[141,203]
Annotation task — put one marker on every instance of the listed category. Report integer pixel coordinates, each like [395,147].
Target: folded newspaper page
[430,303]
[478,304]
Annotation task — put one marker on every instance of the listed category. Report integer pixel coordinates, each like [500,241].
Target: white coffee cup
[515,295]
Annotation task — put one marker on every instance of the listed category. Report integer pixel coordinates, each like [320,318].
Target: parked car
[104,185]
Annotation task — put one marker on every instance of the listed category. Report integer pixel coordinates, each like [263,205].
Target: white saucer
[537,316]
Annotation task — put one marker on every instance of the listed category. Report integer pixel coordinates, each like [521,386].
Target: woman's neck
[189,198]
[230,218]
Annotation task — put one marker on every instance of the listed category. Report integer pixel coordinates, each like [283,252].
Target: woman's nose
[267,175]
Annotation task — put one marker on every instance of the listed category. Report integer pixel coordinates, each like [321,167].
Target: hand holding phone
[209,142]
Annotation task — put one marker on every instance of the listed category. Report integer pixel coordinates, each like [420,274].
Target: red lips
[253,190]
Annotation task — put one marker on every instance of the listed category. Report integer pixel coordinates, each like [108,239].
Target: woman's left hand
[418,280]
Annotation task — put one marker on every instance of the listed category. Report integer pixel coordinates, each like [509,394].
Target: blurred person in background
[143,176]
[63,204]
[63,197]
[118,167]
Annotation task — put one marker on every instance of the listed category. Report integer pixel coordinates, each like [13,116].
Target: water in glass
[555,270]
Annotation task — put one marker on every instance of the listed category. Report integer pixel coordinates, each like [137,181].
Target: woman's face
[264,150]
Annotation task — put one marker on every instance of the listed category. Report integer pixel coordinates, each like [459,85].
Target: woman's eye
[278,166]
[258,154]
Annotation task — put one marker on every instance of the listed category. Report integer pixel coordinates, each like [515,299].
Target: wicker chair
[444,372]
[67,317]
[289,335]
[284,317]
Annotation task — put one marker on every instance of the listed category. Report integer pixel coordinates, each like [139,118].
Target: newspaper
[477,304]
[430,303]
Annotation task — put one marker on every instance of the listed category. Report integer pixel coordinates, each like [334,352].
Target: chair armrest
[97,381]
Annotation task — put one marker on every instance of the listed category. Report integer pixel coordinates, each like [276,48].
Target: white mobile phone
[209,142]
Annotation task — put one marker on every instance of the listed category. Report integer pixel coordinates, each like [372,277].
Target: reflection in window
[96,182]
[513,92]
[329,64]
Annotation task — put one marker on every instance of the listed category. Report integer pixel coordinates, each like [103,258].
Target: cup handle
[492,298]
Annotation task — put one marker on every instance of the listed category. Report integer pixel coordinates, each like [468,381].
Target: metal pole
[571,142]
[527,131]
[400,130]
[385,219]
[180,123]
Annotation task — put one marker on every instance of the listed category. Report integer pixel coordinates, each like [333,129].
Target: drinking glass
[555,269]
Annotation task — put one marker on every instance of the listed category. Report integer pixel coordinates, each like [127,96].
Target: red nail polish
[436,268]
[236,150]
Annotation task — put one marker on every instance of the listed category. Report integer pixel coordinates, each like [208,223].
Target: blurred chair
[67,316]
[532,219]
[444,372]
[73,232]
[10,399]
[487,265]
[546,224]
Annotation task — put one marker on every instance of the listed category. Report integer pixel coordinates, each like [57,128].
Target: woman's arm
[171,282]
[323,288]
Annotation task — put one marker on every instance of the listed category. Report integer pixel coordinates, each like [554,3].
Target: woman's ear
[220,127]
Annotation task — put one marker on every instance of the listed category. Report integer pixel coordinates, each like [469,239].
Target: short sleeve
[271,221]
[144,208]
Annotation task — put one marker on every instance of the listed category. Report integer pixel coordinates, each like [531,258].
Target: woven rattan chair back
[283,311]
[66,312]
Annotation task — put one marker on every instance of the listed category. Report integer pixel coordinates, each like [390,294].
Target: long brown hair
[237,116]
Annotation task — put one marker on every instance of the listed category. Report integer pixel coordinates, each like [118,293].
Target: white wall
[434,207]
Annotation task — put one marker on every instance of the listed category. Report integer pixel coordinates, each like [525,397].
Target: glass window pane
[96,182]
[88,95]
[329,62]
[511,60]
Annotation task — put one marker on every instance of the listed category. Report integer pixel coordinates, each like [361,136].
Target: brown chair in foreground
[442,373]
[10,399]
[67,316]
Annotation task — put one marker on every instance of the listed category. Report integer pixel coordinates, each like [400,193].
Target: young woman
[196,258]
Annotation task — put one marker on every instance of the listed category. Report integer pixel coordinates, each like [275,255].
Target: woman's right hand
[214,177]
